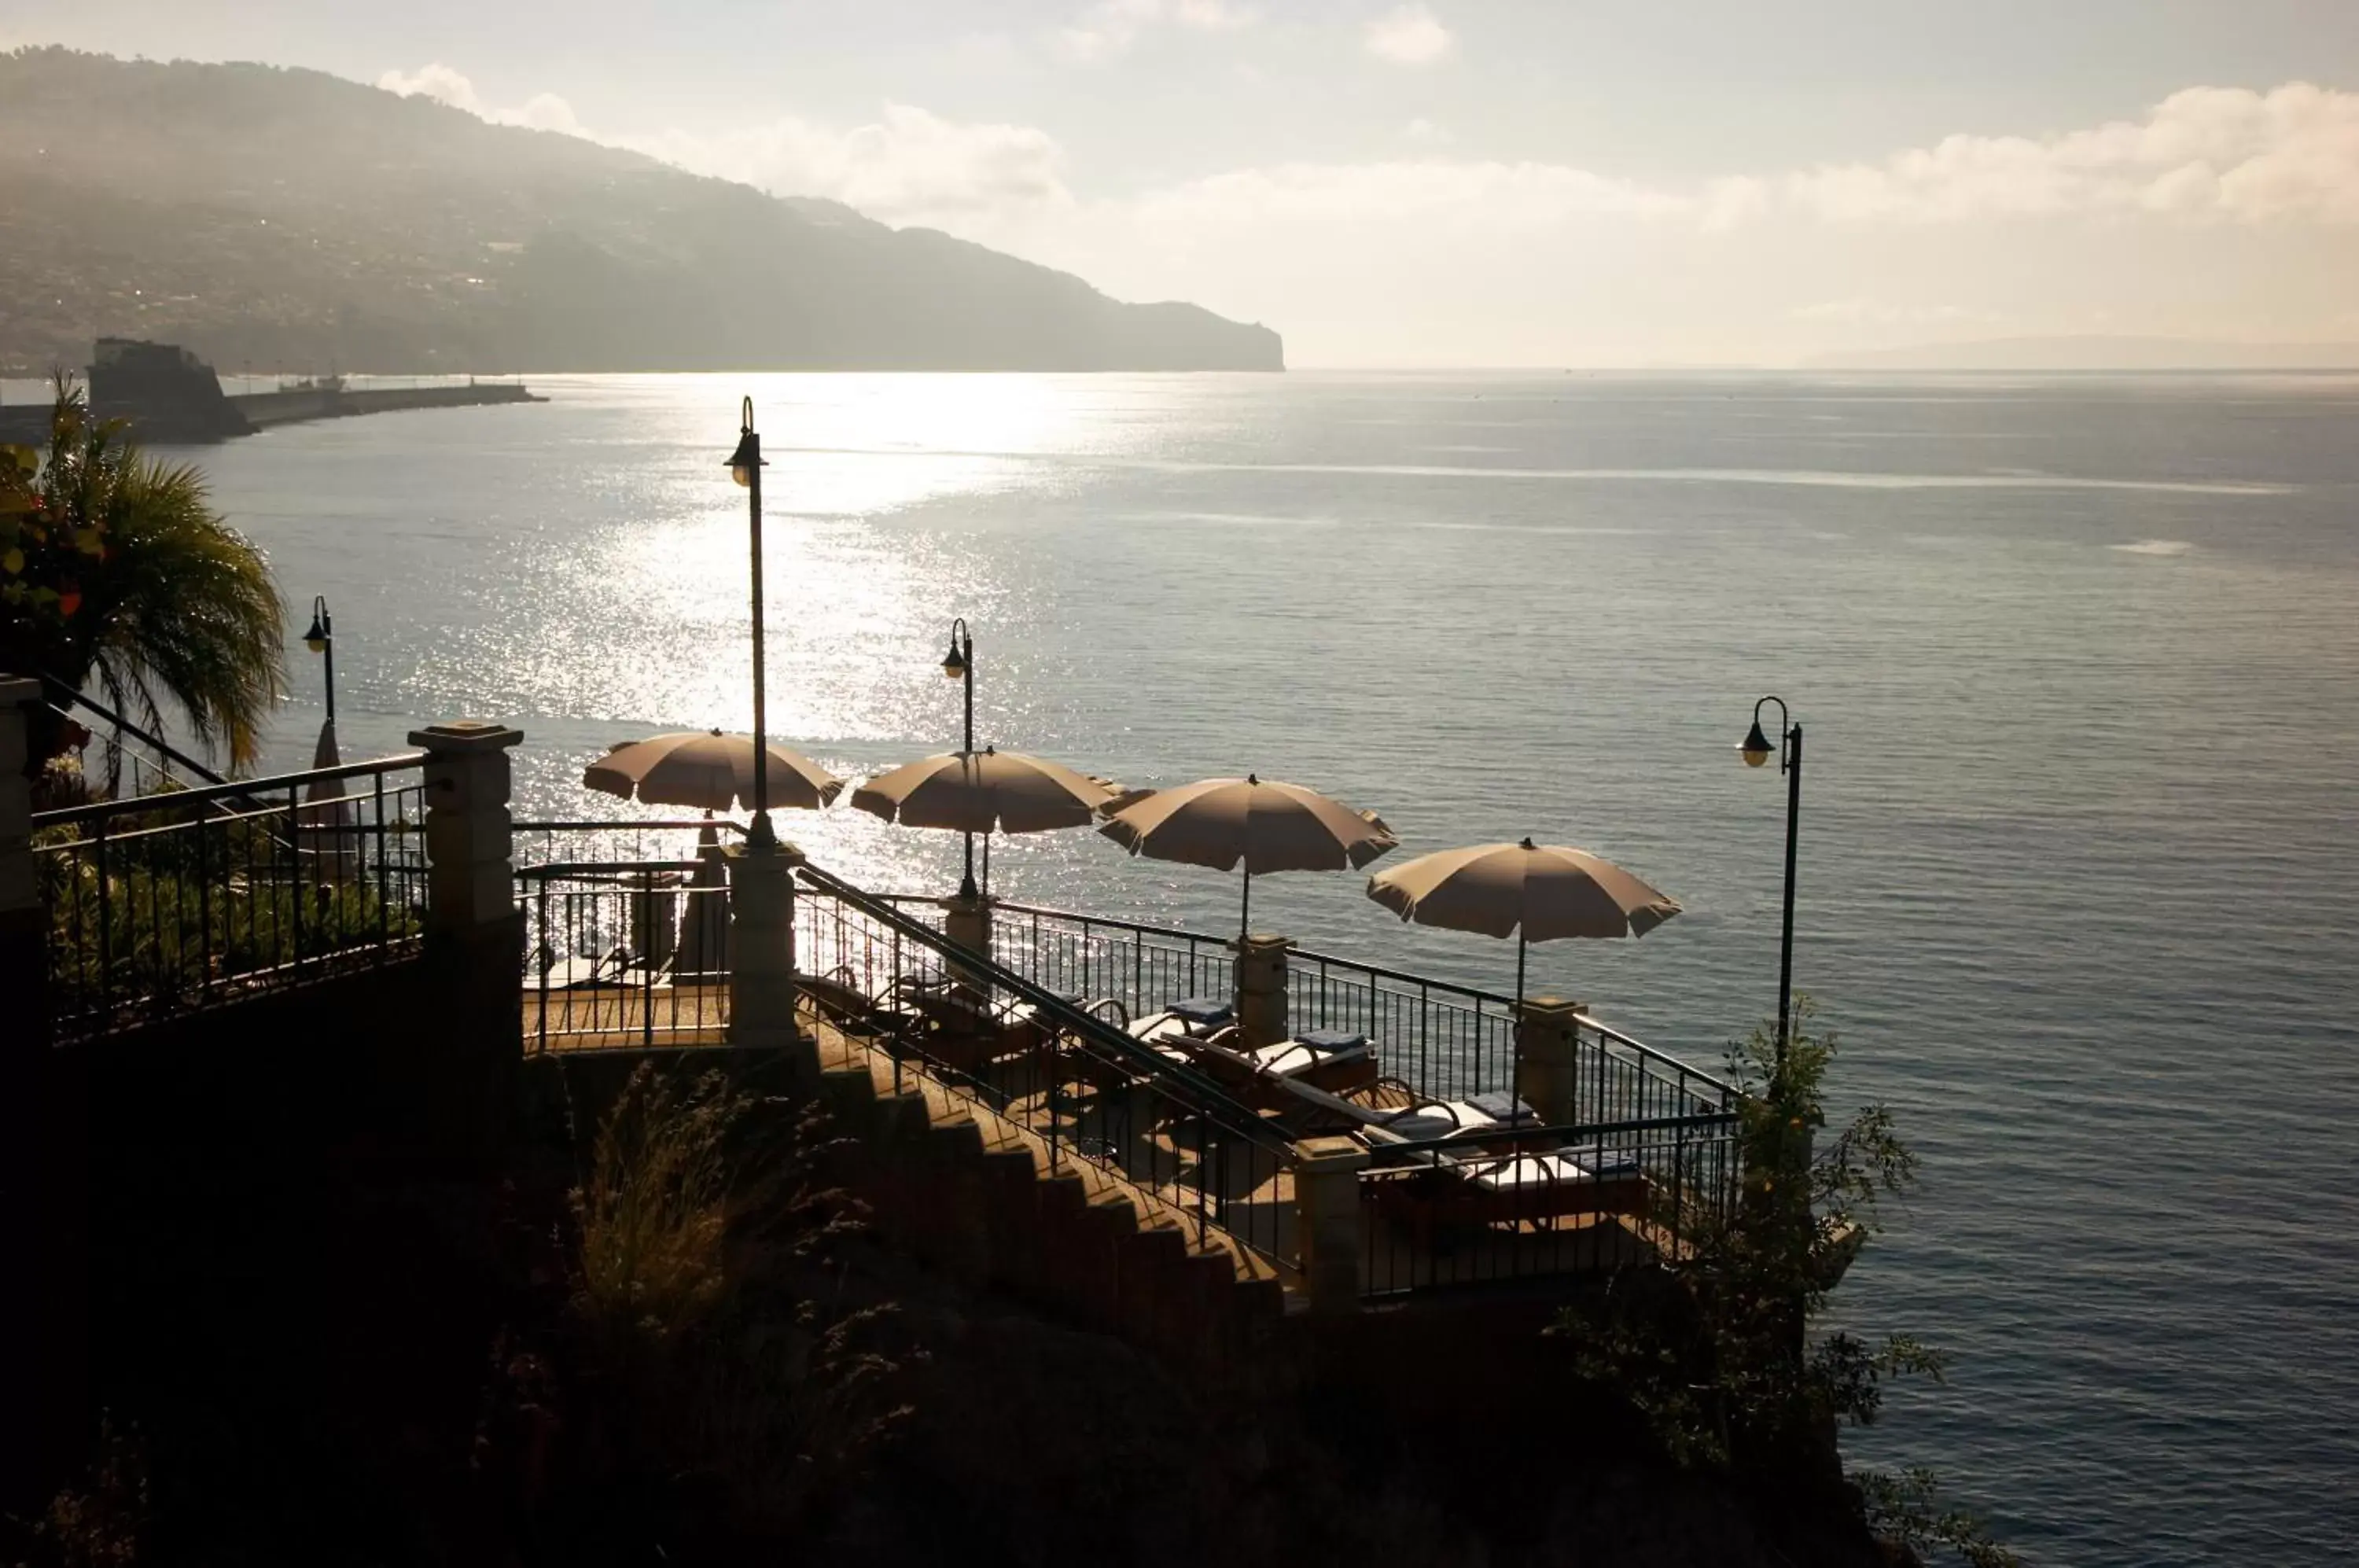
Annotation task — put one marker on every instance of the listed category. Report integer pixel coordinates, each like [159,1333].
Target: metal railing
[1491,1205]
[653,838]
[1052,1059]
[1444,1042]
[169,903]
[624,953]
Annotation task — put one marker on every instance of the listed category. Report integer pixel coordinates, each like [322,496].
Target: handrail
[1236,1117]
[652,825]
[171,799]
[599,868]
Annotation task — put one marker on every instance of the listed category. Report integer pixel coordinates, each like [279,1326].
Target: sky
[1470,182]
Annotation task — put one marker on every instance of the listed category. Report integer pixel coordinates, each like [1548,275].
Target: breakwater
[263,409]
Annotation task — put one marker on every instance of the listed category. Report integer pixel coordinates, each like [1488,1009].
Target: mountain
[2098,353]
[273,218]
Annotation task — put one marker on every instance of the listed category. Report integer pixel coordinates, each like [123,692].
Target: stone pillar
[472,1035]
[1261,989]
[762,956]
[1327,1220]
[967,921]
[1548,1057]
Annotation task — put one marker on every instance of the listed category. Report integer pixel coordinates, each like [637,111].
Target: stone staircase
[981,1198]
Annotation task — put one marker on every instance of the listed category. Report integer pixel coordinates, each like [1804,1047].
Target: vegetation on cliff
[275,218]
[1723,1353]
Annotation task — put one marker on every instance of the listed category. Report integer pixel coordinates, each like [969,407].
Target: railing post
[1327,1221]
[762,956]
[1548,1035]
[967,921]
[472,1044]
[1261,988]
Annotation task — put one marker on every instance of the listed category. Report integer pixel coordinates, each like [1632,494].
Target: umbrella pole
[1516,1087]
[1244,911]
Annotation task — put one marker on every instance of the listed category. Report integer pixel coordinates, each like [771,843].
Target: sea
[2076,659]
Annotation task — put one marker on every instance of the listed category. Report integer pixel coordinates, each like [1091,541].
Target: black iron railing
[1493,1204]
[1442,1040]
[624,953]
[168,903]
[652,838]
[1052,1058]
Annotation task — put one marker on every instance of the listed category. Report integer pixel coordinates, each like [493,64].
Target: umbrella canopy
[710,770]
[984,791]
[1532,892]
[1261,825]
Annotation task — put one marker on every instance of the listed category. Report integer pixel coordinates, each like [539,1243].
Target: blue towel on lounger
[1204,1012]
[1502,1107]
[1327,1041]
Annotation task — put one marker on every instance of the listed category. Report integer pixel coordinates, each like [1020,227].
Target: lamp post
[746,465]
[1756,750]
[959,665]
[321,639]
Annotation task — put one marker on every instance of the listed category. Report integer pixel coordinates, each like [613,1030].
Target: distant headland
[274,219]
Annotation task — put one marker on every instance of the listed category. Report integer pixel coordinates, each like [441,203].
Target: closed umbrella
[710,770]
[328,812]
[1532,892]
[986,791]
[1262,826]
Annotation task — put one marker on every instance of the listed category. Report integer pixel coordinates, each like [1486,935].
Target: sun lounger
[1531,1189]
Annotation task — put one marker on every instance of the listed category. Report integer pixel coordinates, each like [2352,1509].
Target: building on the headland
[168,393]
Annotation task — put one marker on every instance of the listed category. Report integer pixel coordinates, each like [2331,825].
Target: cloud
[2206,154]
[1408,35]
[1110,27]
[907,165]
[1864,312]
[1424,132]
[541,112]
[1469,192]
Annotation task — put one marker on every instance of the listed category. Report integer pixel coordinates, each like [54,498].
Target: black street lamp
[746,465]
[321,639]
[959,665]
[1756,751]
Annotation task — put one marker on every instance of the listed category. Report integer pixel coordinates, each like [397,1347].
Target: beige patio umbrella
[710,770]
[1263,825]
[1532,892]
[986,791]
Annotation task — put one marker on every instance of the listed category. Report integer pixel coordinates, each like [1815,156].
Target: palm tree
[114,569]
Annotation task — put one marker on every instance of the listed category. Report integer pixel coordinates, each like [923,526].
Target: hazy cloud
[1110,27]
[541,112]
[1408,35]
[907,165]
[1858,312]
[2207,153]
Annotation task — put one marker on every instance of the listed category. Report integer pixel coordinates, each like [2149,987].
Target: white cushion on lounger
[1528,1171]
[1288,1058]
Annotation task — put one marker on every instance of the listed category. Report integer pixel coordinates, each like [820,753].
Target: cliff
[274,219]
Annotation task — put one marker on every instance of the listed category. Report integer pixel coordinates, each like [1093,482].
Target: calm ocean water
[2078,657]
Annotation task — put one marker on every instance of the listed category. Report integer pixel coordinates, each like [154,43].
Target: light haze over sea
[2078,659]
